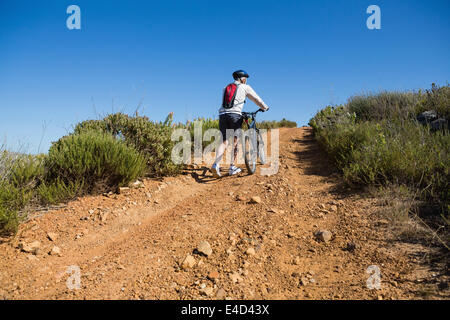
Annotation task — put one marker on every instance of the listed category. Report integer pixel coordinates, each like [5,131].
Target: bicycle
[253,144]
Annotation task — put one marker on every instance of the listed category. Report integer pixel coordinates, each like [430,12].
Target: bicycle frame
[252,116]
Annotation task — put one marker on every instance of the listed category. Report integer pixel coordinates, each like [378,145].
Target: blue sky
[178,55]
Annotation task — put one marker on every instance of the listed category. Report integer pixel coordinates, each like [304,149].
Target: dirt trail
[130,246]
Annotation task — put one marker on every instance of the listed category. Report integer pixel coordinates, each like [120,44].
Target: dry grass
[401,207]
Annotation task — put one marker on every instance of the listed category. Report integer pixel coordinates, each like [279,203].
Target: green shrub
[93,159]
[384,105]
[331,116]
[58,191]
[26,171]
[20,175]
[151,139]
[9,204]
[375,140]
[277,124]
[406,154]
[437,99]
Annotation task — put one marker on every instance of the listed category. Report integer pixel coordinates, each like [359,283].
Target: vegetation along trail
[246,237]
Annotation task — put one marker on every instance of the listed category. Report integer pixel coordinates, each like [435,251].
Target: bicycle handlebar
[252,113]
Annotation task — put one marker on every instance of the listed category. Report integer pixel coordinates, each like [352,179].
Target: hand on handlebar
[264,110]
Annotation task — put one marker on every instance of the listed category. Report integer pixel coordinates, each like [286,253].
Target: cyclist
[230,117]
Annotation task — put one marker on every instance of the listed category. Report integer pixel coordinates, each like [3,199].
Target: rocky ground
[298,234]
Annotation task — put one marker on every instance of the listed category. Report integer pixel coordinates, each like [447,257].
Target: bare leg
[235,151]
[220,152]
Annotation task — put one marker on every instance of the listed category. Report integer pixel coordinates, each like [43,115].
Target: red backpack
[229,95]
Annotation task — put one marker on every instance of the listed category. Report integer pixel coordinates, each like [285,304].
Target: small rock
[56,251]
[137,184]
[52,236]
[32,257]
[123,190]
[205,248]
[235,277]
[291,235]
[188,262]
[304,281]
[32,247]
[255,199]
[333,208]
[208,291]
[250,252]
[213,275]
[241,198]
[221,294]
[323,235]
[427,117]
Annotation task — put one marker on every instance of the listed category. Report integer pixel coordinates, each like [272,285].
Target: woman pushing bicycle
[230,116]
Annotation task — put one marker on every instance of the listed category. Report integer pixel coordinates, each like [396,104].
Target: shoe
[215,169]
[234,170]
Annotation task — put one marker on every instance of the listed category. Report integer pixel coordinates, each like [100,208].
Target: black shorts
[229,121]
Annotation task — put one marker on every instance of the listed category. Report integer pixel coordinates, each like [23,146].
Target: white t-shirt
[243,91]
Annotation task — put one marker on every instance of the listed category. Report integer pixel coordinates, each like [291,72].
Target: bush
[11,199]
[277,124]
[375,140]
[26,171]
[406,154]
[92,159]
[58,191]
[20,175]
[384,105]
[150,139]
[437,99]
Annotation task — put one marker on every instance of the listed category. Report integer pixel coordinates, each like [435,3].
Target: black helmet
[240,74]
